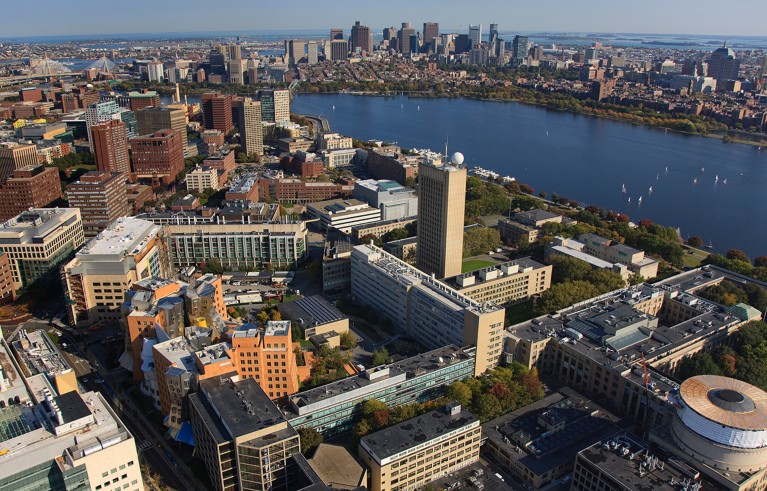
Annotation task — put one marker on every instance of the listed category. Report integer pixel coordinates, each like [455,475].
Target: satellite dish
[456,158]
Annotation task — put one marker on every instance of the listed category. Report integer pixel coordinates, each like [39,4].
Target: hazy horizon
[682,17]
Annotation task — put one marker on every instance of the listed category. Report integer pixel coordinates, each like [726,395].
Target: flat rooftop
[312,311]
[125,236]
[416,431]
[38,353]
[381,223]
[35,225]
[178,351]
[235,409]
[535,215]
[523,265]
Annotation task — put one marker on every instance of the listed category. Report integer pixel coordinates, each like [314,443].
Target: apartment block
[394,200]
[33,186]
[504,283]
[266,355]
[251,129]
[158,156]
[343,214]
[15,156]
[101,197]
[275,105]
[421,450]
[217,111]
[237,429]
[427,309]
[334,408]
[40,240]
[125,252]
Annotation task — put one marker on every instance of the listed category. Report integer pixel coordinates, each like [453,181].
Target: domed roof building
[719,425]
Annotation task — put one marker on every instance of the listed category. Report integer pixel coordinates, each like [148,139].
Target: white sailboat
[623,188]
[667,169]
[716,179]
[649,191]
[639,200]
[702,170]
[695,181]
[724,181]
[629,199]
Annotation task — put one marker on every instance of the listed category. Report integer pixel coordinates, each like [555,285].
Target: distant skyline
[736,18]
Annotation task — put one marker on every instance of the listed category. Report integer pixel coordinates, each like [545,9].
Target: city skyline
[598,16]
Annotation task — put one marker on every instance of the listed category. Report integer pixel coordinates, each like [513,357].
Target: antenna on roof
[447,139]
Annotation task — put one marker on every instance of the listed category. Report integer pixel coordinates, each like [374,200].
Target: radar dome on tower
[456,158]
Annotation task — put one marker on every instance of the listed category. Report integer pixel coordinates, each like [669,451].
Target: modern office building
[15,156]
[504,283]
[336,33]
[339,50]
[394,200]
[441,202]
[275,105]
[334,408]
[430,33]
[242,437]
[40,240]
[153,119]
[159,156]
[422,449]
[204,177]
[519,48]
[238,242]
[216,111]
[404,38]
[425,308]
[60,440]
[33,186]
[110,146]
[266,355]
[125,252]
[99,112]
[101,197]
[723,64]
[475,35]
[343,214]
[362,38]
[251,129]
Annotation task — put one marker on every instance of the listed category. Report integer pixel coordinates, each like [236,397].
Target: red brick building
[142,99]
[303,165]
[217,111]
[33,186]
[110,146]
[138,195]
[159,156]
[223,161]
[298,191]
[101,197]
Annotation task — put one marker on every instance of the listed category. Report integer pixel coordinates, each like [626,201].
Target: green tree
[310,440]
[347,340]
[379,356]
[695,241]
[480,240]
[487,407]
[460,392]
[698,364]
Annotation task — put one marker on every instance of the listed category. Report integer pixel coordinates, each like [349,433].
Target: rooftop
[126,236]
[401,437]
[311,311]
[36,224]
[178,352]
[726,401]
[503,269]
[336,466]
[234,409]
[38,353]
[532,216]
[272,328]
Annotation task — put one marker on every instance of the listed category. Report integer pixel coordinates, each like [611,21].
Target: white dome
[456,158]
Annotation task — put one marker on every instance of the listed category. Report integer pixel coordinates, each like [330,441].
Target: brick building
[101,197]
[33,186]
[110,146]
[158,156]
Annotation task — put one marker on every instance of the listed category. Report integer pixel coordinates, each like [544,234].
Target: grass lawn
[519,312]
[474,264]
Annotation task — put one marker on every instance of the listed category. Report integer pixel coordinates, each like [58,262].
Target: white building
[155,71]
[203,177]
[343,214]
[344,157]
[393,199]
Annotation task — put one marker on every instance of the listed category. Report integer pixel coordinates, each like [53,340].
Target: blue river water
[583,158]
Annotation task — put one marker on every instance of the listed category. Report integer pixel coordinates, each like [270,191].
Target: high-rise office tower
[101,197]
[154,119]
[590,54]
[110,146]
[462,44]
[312,53]
[336,33]
[15,156]
[158,156]
[294,51]
[441,203]
[519,48]
[233,51]
[430,32]
[155,71]
[275,105]
[251,130]
[475,35]
[403,38]
[236,70]
[339,50]
[493,34]
[362,38]
[217,62]
[98,112]
[763,70]
[217,111]
[390,34]
[723,64]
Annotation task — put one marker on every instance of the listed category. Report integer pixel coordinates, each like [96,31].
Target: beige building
[38,241]
[251,129]
[441,203]
[427,309]
[403,249]
[343,214]
[525,227]
[604,249]
[237,429]
[40,355]
[380,228]
[153,119]
[203,177]
[15,156]
[333,141]
[421,450]
[127,251]
[504,283]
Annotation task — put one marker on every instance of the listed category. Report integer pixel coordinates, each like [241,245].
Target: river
[583,158]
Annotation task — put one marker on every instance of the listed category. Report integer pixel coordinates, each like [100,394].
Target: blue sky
[736,17]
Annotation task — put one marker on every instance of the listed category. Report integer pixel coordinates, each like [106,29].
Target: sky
[80,17]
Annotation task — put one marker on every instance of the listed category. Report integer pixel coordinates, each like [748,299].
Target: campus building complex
[504,283]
